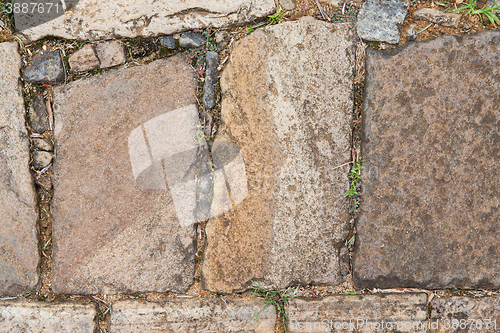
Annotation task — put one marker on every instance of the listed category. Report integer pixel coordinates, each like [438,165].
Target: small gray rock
[191,40]
[221,38]
[41,159]
[42,144]
[168,42]
[37,113]
[211,75]
[47,67]
[379,20]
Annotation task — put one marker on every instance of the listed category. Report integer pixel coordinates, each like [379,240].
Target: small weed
[350,293]
[278,298]
[276,17]
[488,11]
[376,45]
[354,192]
[347,13]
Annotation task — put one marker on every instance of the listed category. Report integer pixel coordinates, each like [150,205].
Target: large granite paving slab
[93,19]
[287,103]
[193,315]
[115,225]
[359,313]
[19,255]
[465,314]
[37,317]
[431,184]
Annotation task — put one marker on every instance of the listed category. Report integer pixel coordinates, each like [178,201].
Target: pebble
[83,60]
[411,34]
[191,40]
[221,38]
[209,96]
[110,53]
[168,42]
[46,68]
[38,116]
[42,144]
[379,20]
[437,16]
[288,4]
[41,159]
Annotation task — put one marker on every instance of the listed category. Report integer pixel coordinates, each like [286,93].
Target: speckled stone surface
[193,315]
[402,312]
[380,20]
[19,256]
[431,183]
[287,103]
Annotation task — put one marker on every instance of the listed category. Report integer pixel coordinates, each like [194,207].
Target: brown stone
[436,16]
[193,315]
[465,314]
[110,232]
[431,183]
[38,317]
[37,113]
[83,60]
[402,312]
[287,103]
[110,53]
[18,209]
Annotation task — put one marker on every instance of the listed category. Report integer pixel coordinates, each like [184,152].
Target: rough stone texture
[288,4]
[37,113]
[95,20]
[110,53]
[359,313]
[287,103]
[18,213]
[431,184]
[46,68]
[41,159]
[192,315]
[168,42]
[109,234]
[37,317]
[474,315]
[190,40]
[42,144]
[436,16]
[83,60]
[380,20]
[211,76]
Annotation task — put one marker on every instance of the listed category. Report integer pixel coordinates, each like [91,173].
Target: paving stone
[37,113]
[287,102]
[402,312]
[98,20]
[168,42]
[436,16]
[380,20]
[111,232]
[38,317]
[193,315]
[18,209]
[110,53]
[431,184]
[465,314]
[211,77]
[46,68]
[190,40]
[83,60]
